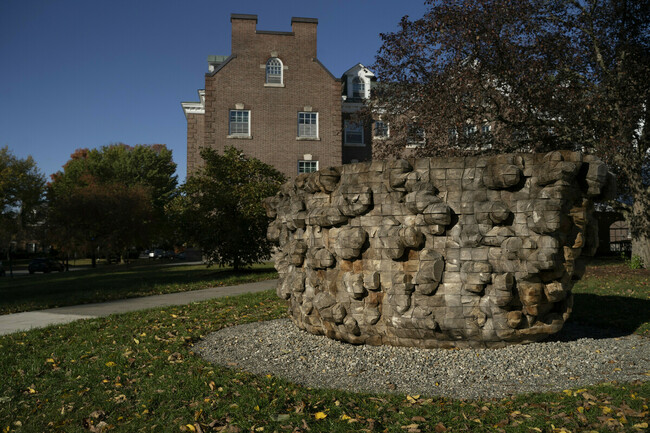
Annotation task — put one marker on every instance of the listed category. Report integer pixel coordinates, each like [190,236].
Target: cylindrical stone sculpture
[438,252]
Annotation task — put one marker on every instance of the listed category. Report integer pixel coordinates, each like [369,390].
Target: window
[239,122]
[486,128]
[353,133]
[274,71]
[307,125]
[469,130]
[381,129]
[416,136]
[358,88]
[307,166]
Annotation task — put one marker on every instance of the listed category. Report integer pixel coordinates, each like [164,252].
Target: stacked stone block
[438,252]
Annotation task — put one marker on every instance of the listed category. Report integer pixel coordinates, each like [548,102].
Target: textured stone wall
[439,252]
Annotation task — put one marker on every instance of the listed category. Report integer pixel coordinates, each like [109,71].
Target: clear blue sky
[86,73]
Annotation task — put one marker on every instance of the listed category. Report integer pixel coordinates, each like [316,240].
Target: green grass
[613,295]
[104,283]
[136,372]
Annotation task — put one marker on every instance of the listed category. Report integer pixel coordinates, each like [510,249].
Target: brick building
[271,98]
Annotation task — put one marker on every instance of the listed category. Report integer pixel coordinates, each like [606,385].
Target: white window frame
[411,142]
[235,134]
[306,130]
[305,162]
[269,75]
[356,129]
[385,128]
[358,88]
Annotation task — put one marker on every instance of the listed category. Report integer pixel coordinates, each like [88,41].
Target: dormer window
[274,71]
[358,88]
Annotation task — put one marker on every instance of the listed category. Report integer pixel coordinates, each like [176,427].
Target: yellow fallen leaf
[32,390]
[320,415]
[641,425]
[581,409]
[136,341]
[110,364]
[344,417]
[412,398]
[49,360]
[190,427]
[174,316]
[606,409]
[257,408]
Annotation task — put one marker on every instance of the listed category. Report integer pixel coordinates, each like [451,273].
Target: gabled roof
[354,70]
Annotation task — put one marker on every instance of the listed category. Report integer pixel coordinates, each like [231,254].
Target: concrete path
[10,323]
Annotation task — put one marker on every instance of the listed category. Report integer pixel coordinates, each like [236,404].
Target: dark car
[45,265]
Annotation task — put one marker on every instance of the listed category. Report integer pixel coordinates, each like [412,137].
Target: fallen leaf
[320,415]
[440,428]
[110,364]
[418,419]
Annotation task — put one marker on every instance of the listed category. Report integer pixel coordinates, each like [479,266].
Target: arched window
[358,88]
[274,71]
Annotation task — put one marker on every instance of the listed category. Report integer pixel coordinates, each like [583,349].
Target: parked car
[156,254]
[45,265]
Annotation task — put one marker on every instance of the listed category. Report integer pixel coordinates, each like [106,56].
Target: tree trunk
[640,231]
[641,248]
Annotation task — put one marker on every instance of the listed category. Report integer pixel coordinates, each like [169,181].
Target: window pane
[239,122]
[381,129]
[274,71]
[307,166]
[307,124]
[358,88]
[353,133]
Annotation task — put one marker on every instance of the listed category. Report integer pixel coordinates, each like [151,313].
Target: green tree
[21,196]
[532,75]
[220,207]
[111,198]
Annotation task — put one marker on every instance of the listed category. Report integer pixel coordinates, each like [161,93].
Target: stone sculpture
[437,252]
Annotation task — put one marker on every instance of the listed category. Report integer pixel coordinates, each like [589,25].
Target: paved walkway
[10,323]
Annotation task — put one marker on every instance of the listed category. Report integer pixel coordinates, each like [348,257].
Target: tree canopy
[534,75]
[111,198]
[220,207]
[21,194]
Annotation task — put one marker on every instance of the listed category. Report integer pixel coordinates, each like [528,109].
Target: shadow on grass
[607,316]
[106,284]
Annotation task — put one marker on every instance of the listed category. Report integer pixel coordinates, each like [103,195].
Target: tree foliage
[111,198]
[531,75]
[220,208]
[21,195]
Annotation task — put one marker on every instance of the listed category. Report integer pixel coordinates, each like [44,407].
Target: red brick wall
[274,111]
[195,132]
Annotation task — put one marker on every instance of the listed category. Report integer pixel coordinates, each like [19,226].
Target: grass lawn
[110,282]
[136,373]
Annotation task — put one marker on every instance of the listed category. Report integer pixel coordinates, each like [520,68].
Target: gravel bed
[575,357]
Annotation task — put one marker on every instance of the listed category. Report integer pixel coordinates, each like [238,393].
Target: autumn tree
[475,76]
[220,207]
[111,198]
[21,196]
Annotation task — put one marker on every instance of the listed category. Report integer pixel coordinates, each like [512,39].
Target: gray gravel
[576,357]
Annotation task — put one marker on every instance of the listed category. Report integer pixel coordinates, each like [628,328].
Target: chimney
[305,30]
[243,28]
